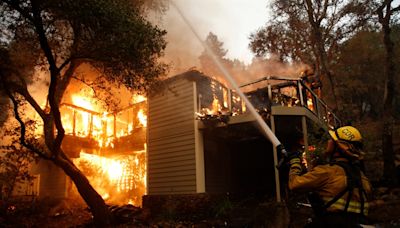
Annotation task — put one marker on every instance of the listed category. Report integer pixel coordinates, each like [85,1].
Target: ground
[249,212]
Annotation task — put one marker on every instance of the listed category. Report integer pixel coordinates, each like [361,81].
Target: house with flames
[191,135]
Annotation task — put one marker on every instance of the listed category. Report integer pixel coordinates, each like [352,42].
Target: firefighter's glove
[295,162]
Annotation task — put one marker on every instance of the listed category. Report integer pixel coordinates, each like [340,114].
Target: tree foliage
[290,33]
[359,80]
[234,67]
[15,163]
[206,60]
[310,31]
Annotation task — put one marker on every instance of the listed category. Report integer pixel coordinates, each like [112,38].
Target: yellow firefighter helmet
[349,141]
[347,133]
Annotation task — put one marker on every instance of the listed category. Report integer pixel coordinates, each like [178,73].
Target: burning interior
[193,136]
[109,148]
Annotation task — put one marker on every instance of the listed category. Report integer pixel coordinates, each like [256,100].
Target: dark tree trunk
[389,168]
[101,214]
[322,69]
[53,140]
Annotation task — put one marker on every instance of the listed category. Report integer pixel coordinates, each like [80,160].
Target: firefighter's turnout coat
[330,183]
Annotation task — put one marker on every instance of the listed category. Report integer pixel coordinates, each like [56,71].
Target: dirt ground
[249,212]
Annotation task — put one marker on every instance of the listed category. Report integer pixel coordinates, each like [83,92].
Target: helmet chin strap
[338,153]
[337,135]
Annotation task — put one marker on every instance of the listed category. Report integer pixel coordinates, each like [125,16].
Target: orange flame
[142,118]
[137,98]
[119,179]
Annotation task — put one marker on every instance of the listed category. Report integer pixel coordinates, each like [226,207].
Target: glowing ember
[215,105]
[310,104]
[225,94]
[243,106]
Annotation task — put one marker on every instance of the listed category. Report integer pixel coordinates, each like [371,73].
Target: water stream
[265,128]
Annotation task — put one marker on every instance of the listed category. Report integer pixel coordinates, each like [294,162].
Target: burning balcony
[109,148]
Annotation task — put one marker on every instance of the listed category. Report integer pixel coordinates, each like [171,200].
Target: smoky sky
[231,20]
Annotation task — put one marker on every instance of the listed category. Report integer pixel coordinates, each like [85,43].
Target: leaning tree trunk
[389,167]
[101,214]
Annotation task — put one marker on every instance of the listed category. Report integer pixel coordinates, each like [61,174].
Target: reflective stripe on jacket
[328,181]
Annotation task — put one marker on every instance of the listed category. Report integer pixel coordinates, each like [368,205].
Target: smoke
[183,48]
[260,68]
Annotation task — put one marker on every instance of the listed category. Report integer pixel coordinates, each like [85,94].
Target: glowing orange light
[119,179]
[137,98]
[142,118]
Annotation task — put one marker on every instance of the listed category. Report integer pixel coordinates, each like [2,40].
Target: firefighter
[338,191]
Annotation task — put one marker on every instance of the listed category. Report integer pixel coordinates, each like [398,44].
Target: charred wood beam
[81,109]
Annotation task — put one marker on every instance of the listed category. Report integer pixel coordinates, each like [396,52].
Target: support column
[199,149]
[275,152]
[305,132]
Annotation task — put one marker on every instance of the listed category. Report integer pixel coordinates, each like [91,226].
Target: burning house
[109,148]
[193,135]
[201,139]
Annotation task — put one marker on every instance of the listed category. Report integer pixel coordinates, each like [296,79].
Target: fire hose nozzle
[280,149]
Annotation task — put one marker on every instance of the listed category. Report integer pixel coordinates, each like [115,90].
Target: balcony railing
[294,92]
[288,92]
[81,122]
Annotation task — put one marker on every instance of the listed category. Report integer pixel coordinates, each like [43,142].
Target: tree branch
[15,5]
[65,63]
[54,74]
[25,93]
[44,43]
[62,85]
[323,15]
[379,11]
[396,9]
[23,128]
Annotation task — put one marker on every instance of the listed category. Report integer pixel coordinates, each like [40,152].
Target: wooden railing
[81,122]
[294,92]
[281,91]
